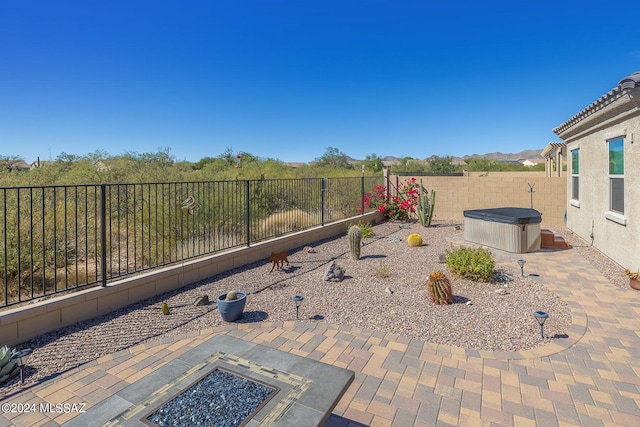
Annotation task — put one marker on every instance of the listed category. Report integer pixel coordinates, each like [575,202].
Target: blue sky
[286,79]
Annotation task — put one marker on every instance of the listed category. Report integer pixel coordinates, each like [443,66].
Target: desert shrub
[365,228]
[284,222]
[472,263]
[382,270]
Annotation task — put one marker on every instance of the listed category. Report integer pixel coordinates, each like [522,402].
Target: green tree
[333,158]
[441,165]
[482,164]
[10,162]
[373,163]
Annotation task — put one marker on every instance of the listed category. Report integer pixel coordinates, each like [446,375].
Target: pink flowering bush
[397,207]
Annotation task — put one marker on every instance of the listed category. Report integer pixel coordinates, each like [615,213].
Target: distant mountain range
[498,156]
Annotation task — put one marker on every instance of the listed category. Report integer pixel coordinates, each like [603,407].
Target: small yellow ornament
[165,309]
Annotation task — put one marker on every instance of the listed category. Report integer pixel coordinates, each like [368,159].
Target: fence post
[362,192]
[323,188]
[103,233]
[247,216]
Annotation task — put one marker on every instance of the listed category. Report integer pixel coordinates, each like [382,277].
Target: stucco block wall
[455,194]
[20,324]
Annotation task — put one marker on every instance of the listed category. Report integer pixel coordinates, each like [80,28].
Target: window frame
[575,177]
[616,177]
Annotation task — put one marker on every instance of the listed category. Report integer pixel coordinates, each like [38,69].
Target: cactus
[439,288]
[355,239]
[231,296]
[165,309]
[8,365]
[414,240]
[425,206]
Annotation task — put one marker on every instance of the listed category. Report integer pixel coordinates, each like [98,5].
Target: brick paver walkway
[589,378]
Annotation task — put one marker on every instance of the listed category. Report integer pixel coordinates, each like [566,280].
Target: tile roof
[624,85]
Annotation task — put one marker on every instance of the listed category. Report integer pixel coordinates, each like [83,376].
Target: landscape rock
[334,273]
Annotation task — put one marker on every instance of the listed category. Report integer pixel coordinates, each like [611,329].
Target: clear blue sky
[288,78]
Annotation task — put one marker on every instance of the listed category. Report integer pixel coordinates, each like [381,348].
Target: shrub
[472,263]
[365,227]
[382,270]
[398,206]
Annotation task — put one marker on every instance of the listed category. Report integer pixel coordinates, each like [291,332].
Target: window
[616,175]
[575,178]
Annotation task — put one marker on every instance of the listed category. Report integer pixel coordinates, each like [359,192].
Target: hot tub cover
[506,215]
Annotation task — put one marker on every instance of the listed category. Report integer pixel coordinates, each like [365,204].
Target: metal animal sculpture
[278,260]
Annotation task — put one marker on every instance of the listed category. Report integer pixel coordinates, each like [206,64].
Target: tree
[333,158]
[482,164]
[441,165]
[10,162]
[373,163]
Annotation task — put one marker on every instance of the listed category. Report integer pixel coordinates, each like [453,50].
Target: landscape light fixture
[22,360]
[541,317]
[297,299]
[521,264]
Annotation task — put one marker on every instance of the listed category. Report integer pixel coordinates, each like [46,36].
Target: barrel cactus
[8,365]
[355,240]
[414,240]
[439,288]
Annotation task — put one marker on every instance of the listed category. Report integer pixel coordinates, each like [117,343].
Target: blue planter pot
[231,310]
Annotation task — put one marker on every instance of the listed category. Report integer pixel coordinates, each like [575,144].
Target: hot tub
[514,230]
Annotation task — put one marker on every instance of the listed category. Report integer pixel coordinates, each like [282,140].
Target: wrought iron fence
[59,238]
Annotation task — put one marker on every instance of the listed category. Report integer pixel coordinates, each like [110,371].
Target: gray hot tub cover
[506,215]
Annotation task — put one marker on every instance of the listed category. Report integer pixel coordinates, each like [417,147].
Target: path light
[541,316]
[22,360]
[297,299]
[521,264]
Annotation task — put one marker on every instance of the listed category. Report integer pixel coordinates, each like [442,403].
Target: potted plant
[634,279]
[231,305]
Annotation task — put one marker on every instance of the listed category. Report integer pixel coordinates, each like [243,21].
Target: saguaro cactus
[355,240]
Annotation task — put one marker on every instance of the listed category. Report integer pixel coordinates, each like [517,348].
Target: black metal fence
[58,238]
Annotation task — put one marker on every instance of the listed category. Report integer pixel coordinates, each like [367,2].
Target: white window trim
[575,202]
[616,217]
[611,215]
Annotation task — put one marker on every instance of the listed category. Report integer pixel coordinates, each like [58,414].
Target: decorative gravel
[385,290]
[221,399]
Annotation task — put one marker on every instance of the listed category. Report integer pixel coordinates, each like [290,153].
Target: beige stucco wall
[455,194]
[23,323]
[618,237]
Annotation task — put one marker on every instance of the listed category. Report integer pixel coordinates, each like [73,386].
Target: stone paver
[589,378]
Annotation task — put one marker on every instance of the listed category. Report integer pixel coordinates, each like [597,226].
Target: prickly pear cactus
[355,240]
[414,240]
[231,296]
[8,366]
[439,288]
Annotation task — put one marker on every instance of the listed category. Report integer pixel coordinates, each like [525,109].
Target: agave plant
[8,365]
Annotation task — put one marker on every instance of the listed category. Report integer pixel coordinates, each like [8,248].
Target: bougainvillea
[398,206]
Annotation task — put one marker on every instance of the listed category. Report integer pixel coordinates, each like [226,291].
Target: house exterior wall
[616,114]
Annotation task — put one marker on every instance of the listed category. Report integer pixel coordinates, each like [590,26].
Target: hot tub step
[550,240]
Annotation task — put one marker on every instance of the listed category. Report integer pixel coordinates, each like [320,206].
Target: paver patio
[589,378]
